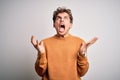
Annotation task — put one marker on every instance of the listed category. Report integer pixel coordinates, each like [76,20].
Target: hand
[38,45]
[92,41]
[85,46]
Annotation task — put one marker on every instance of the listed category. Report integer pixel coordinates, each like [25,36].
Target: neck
[62,36]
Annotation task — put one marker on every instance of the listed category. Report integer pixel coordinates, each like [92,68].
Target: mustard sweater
[62,60]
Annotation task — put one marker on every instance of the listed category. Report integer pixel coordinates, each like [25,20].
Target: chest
[63,49]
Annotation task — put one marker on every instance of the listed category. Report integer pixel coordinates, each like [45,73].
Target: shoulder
[48,39]
[76,38]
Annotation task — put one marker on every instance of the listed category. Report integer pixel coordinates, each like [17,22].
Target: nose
[62,19]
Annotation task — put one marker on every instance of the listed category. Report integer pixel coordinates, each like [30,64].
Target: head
[62,20]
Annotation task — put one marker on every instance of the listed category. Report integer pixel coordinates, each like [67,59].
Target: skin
[62,19]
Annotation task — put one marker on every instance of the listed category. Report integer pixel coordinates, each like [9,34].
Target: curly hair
[61,10]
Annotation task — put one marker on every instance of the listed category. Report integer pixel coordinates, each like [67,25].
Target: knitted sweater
[61,60]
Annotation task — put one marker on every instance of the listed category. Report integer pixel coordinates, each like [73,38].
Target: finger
[33,41]
[37,42]
[41,43]
[32,38]
[83,47]
[92,41]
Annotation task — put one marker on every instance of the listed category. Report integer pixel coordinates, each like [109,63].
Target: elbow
[83,70]
[40,71]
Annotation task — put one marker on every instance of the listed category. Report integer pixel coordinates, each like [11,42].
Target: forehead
[63,14]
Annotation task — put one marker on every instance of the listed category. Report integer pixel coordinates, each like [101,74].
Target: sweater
[61,60]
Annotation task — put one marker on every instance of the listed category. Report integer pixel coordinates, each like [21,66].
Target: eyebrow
[58,16]
[61,17]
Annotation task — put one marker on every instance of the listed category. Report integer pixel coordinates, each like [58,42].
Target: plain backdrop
[19,19]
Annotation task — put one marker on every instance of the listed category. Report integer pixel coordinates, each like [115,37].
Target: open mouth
[62,28]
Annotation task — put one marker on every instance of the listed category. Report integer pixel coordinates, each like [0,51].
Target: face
[62,24]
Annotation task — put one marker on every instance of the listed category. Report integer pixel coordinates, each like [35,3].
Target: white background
[19,19]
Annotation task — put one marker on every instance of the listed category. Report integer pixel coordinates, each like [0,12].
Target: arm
[82,62]
[82,65]
[41,64]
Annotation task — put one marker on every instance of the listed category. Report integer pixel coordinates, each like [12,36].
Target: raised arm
[82,62]
[41,62]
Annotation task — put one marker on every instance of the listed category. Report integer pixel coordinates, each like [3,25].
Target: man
[62,56]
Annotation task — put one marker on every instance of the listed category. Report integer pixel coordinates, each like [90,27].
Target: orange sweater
[62,60]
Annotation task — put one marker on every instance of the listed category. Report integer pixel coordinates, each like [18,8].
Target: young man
[62,56]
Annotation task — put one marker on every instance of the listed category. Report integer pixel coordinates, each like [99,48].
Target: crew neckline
[60,37]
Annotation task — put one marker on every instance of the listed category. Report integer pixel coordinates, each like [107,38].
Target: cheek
[69,26]
[56,24]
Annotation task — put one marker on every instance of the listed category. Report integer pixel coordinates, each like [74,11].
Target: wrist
[84,53]
[41,52]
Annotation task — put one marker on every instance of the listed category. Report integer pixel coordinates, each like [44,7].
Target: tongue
[61,29]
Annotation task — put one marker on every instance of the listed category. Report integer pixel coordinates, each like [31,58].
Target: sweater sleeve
[41,64]
[82,65]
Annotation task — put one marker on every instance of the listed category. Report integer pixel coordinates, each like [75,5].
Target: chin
[62,34]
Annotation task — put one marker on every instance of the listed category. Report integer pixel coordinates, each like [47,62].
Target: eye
[58,18]
[65,17]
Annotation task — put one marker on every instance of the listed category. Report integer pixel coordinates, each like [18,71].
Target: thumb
[83,46]
[41,43]
[92,41]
